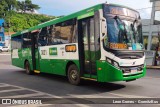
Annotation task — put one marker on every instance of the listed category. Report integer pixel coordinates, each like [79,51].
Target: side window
[16,42]
[58,34]
[27,40]
[157,18]
[51,36]
[97,35]
[92,34]
[62,33]
[43,37]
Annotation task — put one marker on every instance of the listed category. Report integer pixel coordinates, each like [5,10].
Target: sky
[65,7]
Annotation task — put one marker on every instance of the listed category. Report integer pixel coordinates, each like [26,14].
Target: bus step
[92,79]
[36,71]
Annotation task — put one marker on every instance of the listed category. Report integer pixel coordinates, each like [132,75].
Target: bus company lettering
[52,51]
[70,48]
[43,52]
[118,46]
[15,53]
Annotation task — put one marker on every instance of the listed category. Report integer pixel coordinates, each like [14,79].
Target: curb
[153,67]
[5,54]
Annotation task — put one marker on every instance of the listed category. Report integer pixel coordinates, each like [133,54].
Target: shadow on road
[5,63]
[60,83]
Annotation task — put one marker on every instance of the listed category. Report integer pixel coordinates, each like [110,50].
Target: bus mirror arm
[103,37]
[103,27]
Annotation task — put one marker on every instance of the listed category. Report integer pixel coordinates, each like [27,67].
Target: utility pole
[150,27]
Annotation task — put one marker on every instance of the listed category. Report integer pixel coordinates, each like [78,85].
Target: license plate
[134,71]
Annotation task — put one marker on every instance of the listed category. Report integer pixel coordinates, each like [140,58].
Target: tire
[73,75]
[0,51]
[27,67]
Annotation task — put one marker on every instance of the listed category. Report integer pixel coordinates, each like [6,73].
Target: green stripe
[85,15]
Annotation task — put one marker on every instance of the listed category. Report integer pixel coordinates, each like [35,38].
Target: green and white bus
[102,43]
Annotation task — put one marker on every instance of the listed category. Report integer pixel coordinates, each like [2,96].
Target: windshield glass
[123,31]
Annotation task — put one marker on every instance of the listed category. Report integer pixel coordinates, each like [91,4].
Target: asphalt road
[14,83]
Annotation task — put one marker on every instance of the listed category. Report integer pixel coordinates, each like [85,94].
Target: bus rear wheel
[73,75]
[27,67]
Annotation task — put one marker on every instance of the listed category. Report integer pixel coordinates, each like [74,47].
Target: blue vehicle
[2,37]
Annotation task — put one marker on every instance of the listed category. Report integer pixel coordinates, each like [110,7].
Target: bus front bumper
[109,73]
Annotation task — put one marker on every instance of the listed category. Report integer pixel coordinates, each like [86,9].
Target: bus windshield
[124,29]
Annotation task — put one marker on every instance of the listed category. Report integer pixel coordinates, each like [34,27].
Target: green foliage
[26,5]
[21,21]
[14,13]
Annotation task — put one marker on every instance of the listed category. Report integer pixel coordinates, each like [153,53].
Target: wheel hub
[74,75]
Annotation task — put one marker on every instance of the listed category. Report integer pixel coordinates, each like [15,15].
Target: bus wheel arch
[73,73]
[27,67]
[69,64]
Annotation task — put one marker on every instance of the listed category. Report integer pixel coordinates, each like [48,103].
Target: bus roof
[118,5]
[61,19]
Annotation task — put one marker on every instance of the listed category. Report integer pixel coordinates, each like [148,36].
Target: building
[151,27]
[154,40]
[151,33]
[2,37]
[8,38]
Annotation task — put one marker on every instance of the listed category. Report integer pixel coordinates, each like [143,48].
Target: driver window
[43,37]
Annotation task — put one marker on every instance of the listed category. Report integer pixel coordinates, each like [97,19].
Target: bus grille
[130,55]
[132,70]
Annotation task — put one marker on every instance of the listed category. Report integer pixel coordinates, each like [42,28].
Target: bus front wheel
[27,67]
[73,75]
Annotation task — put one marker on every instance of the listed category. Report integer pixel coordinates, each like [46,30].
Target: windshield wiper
[133,29]
[122,36]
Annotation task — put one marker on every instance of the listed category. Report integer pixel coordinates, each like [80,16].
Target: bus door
[34,52]
[86,39]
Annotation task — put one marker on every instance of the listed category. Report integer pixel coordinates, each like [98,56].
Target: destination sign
[118,10]
[118,46]
[70,48]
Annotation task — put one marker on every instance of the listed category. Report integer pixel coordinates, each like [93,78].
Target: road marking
[2,91]
[129,96]
[37,93]
[91,96]
[23,96]
[4,85]
[115,94]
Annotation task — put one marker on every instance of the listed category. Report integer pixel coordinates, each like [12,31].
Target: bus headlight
[109,60]
[112,62]
[115,64]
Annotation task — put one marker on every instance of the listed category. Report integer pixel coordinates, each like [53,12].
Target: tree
[3,8]
[12,4]
[27,5]
[33,7]
[18,21]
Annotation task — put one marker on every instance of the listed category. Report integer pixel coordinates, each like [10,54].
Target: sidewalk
[5,53]
[153,67]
